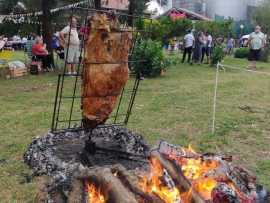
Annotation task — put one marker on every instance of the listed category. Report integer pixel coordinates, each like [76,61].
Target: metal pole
[64,73]
[78,70]
[119,104]
[55,104]
[215,100]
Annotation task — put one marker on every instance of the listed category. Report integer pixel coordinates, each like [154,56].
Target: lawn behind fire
[176,107]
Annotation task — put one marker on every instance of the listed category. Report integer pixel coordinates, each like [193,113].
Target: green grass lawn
[176,107]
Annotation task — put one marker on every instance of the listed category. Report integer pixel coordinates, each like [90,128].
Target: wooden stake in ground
[106,69]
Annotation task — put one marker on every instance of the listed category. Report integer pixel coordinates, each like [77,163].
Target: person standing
[230,45]
[209,47]
[256,43]
[189,41]
[199,43]
[69,39]
[204,47]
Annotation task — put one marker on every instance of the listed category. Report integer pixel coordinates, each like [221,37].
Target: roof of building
[190,14]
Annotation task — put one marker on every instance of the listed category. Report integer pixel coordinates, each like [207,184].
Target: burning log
[114,184]
[178,177]
[212,176]
[188,177]
[106,69]
[111,187]
[132,183]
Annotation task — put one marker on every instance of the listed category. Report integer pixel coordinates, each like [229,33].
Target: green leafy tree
[262,16]
[136,7]
[6,6]
[164,28]
[216,28]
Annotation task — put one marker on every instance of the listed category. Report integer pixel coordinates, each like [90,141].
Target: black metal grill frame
[59,97]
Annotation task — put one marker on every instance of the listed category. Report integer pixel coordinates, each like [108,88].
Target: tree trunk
[131,8]
[97,4]
[46,20]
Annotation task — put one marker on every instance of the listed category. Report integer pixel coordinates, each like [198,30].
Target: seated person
[40,51]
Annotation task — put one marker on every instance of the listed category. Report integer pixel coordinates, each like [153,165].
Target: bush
[265,55]
[241,53]
[152,55]
[218,55]
[172,59]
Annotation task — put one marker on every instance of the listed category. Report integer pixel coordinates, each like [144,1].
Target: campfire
[164,174]
[181,175]
[111,164]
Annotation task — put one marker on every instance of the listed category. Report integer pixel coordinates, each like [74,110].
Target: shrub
[241,53]
[152,56]
[218,55]
[265,55]
[172,59]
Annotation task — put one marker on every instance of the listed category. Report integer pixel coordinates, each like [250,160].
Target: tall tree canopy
[262,16]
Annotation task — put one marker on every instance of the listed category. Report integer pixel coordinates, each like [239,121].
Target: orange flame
[205,186]
[94,194]
[153,184]
[195,169]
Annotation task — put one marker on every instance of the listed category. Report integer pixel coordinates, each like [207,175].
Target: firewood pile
[127,171]
[176,175]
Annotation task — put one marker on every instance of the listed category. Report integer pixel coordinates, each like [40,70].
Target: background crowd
[198,48]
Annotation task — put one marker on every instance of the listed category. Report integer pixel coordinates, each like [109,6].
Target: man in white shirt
[69,39]
[209,48]
[256,43]
[188,45]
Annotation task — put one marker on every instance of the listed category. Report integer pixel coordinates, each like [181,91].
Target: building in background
[117,4]
[236,9]
[197,6]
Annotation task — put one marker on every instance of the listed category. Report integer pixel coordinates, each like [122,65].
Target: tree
[216,28]
[97,4]
[262,16]
[6,6]
[46,19]
[136,7]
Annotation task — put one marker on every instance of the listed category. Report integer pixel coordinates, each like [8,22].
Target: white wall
[236,9]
